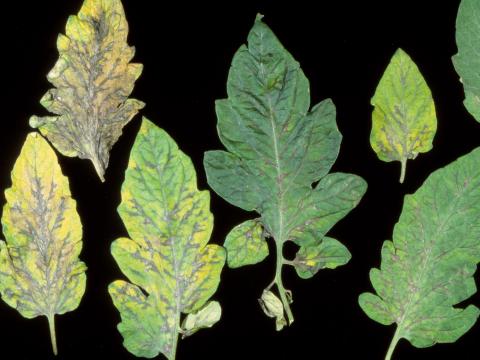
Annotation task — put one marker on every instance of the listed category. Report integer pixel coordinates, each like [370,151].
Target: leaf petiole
[403,170]
[393,344]
[53,336]
[279,283]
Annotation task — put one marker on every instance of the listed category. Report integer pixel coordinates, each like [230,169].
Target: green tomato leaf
[328,253]
[170,267]
[428,268]
[277,149]
[467,62]
[92,80]
[403,120]
[245,244]
[40,273]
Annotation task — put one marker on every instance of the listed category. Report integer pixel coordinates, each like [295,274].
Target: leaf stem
[393,344]
[53,336]
[403,169]
[98,166]
[279,283]
[173,352]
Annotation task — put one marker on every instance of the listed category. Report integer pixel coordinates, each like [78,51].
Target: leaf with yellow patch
[40,273]
[327,253]
[170,267]
[92,80]
[403,120]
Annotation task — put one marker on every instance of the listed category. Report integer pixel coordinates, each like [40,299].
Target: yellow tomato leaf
[92,80]
[40,273]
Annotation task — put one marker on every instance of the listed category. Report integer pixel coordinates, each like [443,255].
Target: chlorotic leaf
[403,120]
[277,149]
[40,273]
[170,267]
[206,317]
[245,244]
[92,80]
[327,253]
[467,62]
[428,268]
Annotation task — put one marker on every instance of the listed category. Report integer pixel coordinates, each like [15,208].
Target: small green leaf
[467,62]
[277,148]
[327,253]
[272,307]
[40,273]
[92,80]
[403,120]
[171,268]
[245,244]
[206,317]
[428,268]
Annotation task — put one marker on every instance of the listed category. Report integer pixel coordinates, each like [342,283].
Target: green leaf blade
[169,224]
[466,61]
[327,253]
[245,244]
[276,149]
[92,80]
[40,273]
[428,268]
[403,120]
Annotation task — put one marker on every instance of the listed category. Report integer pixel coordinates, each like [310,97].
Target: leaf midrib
[278,237]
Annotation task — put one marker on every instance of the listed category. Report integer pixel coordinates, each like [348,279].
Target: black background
[343,48]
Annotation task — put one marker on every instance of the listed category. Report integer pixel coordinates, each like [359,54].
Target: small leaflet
[245,244]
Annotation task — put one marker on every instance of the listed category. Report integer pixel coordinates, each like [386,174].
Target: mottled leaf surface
[245,244]
[467,61]
[40,273]
[403,120]
[170,268]
[277,148]
[428,268]
[326,253]
[92,80]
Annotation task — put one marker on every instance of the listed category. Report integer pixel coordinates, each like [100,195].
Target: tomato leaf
[40,273]
[92,80]
[170,267]
[428,267]
[277,149]
[467,62]
[403,120]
